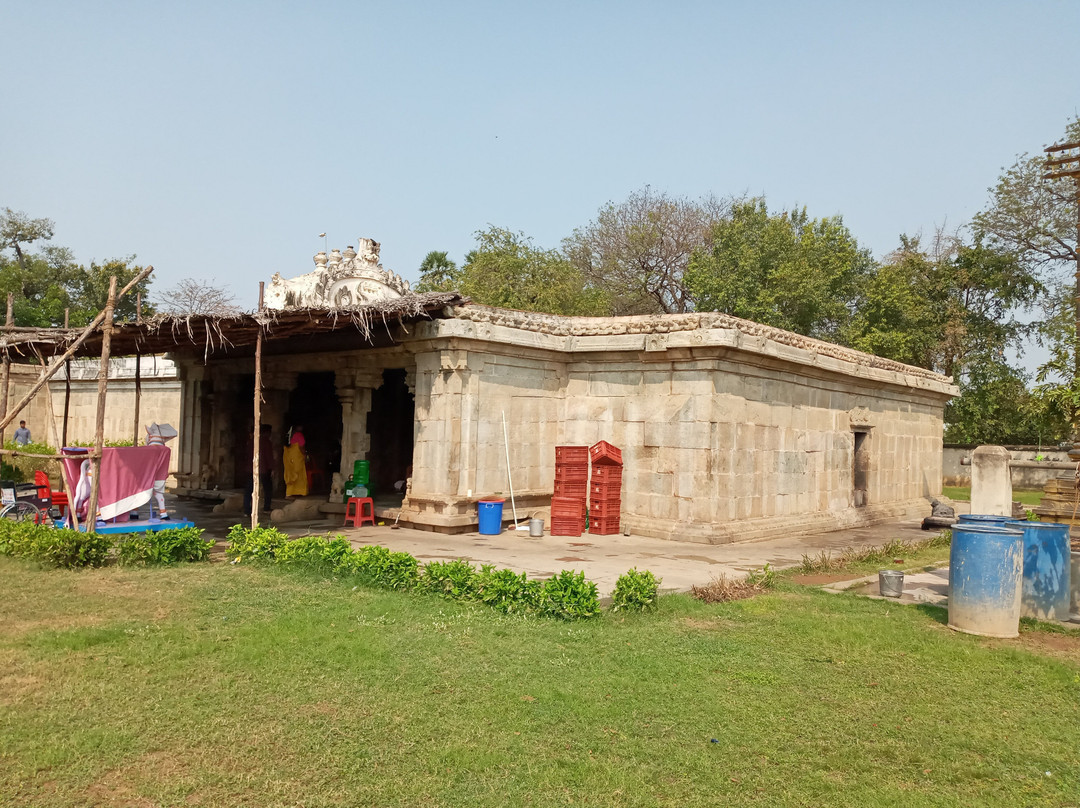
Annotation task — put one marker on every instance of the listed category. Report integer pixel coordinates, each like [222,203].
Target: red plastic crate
[603,453]
[571,454]
[567,527]
[604,527]
[604,490]
[570,474]
[573,507]
[604,509]
[571,488]
[607,474]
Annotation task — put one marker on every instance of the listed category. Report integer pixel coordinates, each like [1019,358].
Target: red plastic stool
[359,510]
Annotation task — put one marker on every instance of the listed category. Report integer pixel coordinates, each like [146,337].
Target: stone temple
[729,429]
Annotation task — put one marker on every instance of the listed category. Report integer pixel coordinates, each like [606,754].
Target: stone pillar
[991,481]
[188,460]
[354,389]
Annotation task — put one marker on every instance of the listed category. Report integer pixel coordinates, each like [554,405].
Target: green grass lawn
[1027,498]
[218,685]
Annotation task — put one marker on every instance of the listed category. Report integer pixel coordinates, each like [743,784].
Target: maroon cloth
[128,475]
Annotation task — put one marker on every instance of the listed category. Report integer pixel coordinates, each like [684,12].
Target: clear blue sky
[217,140]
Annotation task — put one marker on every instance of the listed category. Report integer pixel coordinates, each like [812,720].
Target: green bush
[455,580]
[507,591]
[569,596]
[317,552]
[54,547]
[260,544]
[163,547]
[635,590]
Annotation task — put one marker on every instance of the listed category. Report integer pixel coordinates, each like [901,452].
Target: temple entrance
[314,405]
[241,420]
[390,425]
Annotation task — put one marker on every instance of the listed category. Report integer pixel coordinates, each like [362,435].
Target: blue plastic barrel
[986,565]
[1045,592]
[982,519]
[490,516]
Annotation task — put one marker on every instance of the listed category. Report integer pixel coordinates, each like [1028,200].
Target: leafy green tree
[48,281]
[944,307]
[784,269]
[995,406]
[438,273]
[505,269]
[1036,219]
[637,251]
[18,230]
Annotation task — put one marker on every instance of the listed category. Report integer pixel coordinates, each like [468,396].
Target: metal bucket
[890,583]
[1045,592]
[536,528]
[986,566]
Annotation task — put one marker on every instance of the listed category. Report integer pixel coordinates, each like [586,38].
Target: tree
[438,273]
[18,229]
[190,296]
[505,269]
[637,251]
[47,282]
[995,406]
[951,308]
[1037,219]
[785,269]
[1033,217]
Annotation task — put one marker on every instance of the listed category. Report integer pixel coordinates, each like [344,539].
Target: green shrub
[569,596]
[54,547]
[507,591]
[163,547]
[317,552]
[764,578]
[635,590]
[449,579]
[260,544]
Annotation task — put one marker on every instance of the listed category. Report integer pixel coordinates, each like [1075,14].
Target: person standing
[22,434]
[295,464]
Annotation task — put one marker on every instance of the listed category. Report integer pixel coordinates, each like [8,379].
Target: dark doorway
[314,405]
[241,419]
[390,425]
[861,468]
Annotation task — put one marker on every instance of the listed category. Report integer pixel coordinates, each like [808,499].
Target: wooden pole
[103,386]
[5,372]
[55,366]
[256,482]
[67,389]
[138,368]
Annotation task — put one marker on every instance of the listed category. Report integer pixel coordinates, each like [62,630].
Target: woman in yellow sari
[295,465]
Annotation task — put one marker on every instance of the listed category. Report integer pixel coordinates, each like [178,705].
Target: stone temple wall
[719,443]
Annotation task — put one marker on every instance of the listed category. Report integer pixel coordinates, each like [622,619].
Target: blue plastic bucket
[1045,592]
[490,516]
[982,519]
[986,565]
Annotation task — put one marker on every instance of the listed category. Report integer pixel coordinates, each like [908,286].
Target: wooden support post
[256,481]
[138,368]
[103,386]
[55,366]
[5,372]
[67,389]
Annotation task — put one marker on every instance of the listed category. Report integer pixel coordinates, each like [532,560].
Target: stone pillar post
[991,481]
[188,460]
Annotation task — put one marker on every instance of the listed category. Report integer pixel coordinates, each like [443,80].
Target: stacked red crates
[605,489]
[571,488]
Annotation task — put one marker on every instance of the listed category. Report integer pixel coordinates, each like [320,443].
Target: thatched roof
[285,330]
